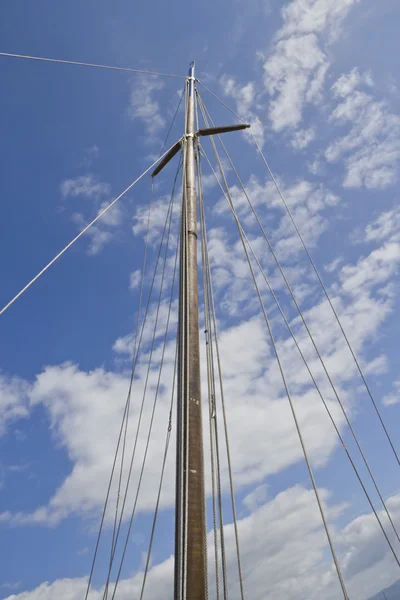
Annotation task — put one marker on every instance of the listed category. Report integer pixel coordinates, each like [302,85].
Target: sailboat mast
[190,542]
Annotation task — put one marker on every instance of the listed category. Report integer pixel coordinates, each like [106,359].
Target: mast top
[191,79]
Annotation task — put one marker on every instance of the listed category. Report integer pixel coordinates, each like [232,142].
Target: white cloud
[348,82]
[18,468]
[293,76]
[318,16]
[284,555]
[371,147]
[294,72]
[245,98]
[100,234]
[394,397]
[125,344]
[244,95]
[144,107]
[307,201]
[159,213]
[113,217]
[256,497]
[90,155]
[369,271]
[134,279]
[387,225]
[86,407]
[302,138]
[11,586]
[86,186]
[332,266]
[63,589]
[13,401]
[92,402]
[99,239]
[85,410]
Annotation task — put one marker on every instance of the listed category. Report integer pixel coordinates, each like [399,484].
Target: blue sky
[319,82]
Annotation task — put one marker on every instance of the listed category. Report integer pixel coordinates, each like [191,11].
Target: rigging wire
[200,191]
[173,119]
[215,334]
[132,369]
[306,365]
[215,469]
[212,461]
[105,507]
[137,325]
[84,230]
[84,64]
[127,405]
[125,416]
[157,387]
[168,220]
[331,305]
[141,293]
[167,440]
[284,381]
[277,187]
[134,357]
[321,360]
[185,375]
[181,442]
[179,245]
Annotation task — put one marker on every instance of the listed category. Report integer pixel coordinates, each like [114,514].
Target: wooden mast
[190,518]
[190,549]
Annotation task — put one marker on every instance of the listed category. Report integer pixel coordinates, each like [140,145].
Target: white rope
[28,285]
[83,64]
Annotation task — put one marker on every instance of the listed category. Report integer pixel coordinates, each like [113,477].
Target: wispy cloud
[85,186]
[134,279]
[144,106]
[333,266]
[295,70]
[245,97]
[394,396]
[90,155]
[91,188]
[102,232]
[302,138]
[386,226]
[11,586]
[13,401]
[371,148]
